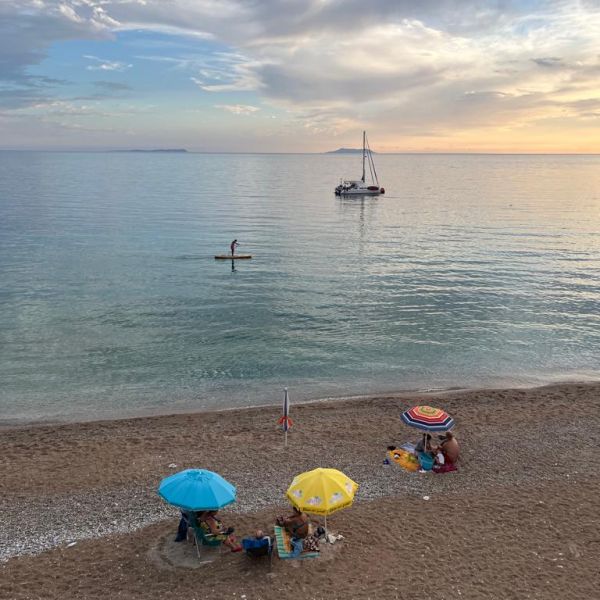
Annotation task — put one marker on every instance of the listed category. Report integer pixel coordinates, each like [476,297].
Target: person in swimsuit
[211,524]
[233,246]
[424,445]
[450,448]
[296,524]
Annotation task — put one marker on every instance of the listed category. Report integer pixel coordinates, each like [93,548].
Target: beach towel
[284,545]
[403,459]
[447,468]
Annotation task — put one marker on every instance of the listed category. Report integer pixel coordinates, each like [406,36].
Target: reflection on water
[471,270]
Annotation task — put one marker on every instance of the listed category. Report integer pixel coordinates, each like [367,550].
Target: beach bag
[425,461]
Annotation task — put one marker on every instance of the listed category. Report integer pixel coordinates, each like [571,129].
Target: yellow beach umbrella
[322,492]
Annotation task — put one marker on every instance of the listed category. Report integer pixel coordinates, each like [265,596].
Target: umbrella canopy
[197,489]
[428,418]
[322,491]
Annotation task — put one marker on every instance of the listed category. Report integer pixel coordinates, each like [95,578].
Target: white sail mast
[364,155]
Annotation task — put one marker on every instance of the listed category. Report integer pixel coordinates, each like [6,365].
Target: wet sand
[518,520]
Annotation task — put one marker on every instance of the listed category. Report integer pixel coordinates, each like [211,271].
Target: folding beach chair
[255,548]
[201,537]
[284,545]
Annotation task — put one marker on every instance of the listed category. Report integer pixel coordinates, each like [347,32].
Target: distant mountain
[166,150]
[348,151]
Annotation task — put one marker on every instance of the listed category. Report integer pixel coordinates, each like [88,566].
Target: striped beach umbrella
[428,418]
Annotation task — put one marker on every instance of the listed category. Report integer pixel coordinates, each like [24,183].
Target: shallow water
[469,271]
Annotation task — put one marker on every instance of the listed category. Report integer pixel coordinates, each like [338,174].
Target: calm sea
[470,271]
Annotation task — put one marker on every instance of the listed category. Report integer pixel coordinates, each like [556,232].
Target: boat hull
[359,192]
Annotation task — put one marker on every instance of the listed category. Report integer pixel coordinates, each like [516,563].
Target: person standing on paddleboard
[233,246]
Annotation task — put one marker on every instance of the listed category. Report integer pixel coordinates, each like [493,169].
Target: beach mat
[284,545]
[403,458]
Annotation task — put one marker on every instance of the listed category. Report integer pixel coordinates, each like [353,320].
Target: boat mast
[364,153]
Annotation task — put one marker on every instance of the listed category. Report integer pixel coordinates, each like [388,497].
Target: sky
[301,75]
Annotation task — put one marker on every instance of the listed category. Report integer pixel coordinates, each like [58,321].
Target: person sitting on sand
[258,545]
[308,544]
[296,524]
[449,447]
[424,445]
[209,522]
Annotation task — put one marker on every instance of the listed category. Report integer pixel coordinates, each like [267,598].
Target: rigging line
[371,169]
[372,165]
[368,151]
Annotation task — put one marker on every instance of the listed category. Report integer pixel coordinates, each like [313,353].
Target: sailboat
[350,187]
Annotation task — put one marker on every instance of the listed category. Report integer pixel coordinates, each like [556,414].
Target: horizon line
[330,152]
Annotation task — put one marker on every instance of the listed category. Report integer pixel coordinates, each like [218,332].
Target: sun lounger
[284,545]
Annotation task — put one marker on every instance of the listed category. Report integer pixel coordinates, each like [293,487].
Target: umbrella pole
[326,532]
[285,439]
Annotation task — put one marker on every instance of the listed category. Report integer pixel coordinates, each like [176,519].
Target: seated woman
[424,445]
[209,522]
[296,524]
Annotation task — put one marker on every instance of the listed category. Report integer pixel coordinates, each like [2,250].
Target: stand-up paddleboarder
[233,246]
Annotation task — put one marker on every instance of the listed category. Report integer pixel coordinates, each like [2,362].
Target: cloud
[27,29]
[430,68]
[112,86]
[227,72]
[105,65]
[550,62]
[238,109]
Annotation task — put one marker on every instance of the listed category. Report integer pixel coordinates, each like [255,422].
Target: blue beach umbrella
[197,489]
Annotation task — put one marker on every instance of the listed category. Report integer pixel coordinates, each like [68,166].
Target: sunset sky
[301,75]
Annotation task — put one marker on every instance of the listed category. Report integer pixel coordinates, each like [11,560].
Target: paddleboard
[234,257]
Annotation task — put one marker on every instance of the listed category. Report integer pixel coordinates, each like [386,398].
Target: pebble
[44,522]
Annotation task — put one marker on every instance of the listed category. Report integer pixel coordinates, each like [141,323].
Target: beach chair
[201,537]
[256,548]
[284,545]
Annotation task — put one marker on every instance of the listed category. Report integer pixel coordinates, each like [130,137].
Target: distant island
[348,151]
[167,150]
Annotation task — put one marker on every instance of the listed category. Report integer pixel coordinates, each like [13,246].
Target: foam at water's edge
[403,393]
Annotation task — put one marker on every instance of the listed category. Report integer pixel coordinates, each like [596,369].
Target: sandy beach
[518,520]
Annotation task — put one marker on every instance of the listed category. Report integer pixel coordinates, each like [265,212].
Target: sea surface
[471,271]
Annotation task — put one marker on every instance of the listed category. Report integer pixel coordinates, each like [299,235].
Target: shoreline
[95,483]
[18,423]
